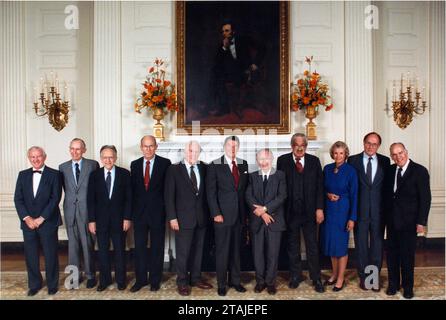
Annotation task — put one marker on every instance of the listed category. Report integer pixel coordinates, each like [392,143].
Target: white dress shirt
[113,172]
[402,173]
[365,161]
[152,162]
[36,180]
[197,172]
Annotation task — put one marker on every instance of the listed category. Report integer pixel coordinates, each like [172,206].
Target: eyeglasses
[374,145]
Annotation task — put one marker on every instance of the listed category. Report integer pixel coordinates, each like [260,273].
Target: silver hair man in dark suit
[265,195]
[75,174]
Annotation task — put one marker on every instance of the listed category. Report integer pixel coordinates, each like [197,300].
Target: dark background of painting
[259,20]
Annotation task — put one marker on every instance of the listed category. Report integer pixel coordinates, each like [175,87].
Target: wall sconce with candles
[408,102]
[51,101]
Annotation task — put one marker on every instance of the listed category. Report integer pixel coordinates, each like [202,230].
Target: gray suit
[266,239]
[76,214]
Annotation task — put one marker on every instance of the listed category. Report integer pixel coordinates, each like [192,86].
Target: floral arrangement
[310,91]
[158,93]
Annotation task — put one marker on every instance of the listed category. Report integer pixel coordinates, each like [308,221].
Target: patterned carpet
[429,284]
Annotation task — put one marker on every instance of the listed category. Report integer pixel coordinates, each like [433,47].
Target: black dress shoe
[121,286]
[32,292]
[408,294]
[136,287]
[221,291]
[318,286]
[91,283]
[337,289]
[294,282]
[154,287]
[238,288]
[271,290]
[362,284]
[259,287]
[102,287]
[52,291]
[391,291]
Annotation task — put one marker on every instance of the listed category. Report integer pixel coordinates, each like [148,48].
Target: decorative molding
[402,22]
[320,51]
[403,58]
[159,13]
[14,96]
[148,53]
[313,15]
[358,75]
[51,59]
[51,22]
[437,95]
[107,75]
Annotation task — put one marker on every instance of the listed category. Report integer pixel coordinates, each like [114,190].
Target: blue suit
[370,213]
[334,232]
[46,205]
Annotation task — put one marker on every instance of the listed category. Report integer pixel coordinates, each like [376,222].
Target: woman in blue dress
[341,190]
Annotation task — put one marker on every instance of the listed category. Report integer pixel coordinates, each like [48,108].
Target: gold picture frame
[263,104]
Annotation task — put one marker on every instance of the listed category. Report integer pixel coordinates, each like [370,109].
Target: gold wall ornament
[158,127]
[51,102]
[410,102]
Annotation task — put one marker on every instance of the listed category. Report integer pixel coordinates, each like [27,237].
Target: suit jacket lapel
[83,173]
[200,169]
[379,172]
[270,185]
[406,175]
[362,173]
[227,169]
[186,176]
[29,180]
[154,175]
[69,172]
[115,183]
[42,182]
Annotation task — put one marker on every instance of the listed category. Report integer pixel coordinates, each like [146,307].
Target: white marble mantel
[212,147]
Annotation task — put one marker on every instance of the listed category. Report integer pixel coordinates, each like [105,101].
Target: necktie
[369,170]
[78,172]
[37,171]
[299,166]
[235,174]
[399,178]
[108,183]
[193,178]
[265,182]
[147,175]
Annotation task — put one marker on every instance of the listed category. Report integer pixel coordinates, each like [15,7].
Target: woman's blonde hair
[339,144]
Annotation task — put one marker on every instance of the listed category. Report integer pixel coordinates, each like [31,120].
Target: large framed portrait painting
[233,66]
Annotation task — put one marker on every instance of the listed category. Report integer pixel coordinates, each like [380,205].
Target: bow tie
[37,171]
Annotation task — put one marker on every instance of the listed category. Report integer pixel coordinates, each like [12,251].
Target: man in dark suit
[237,64]
[407,205]
[265,195]
[148,174]
[75,174]
[226,183]
[109,215]
[185,197]
[369,232]
[303,208]
[37,195]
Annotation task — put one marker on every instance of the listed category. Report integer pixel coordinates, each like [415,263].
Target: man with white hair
[408,200]
[188,216]
[36,199]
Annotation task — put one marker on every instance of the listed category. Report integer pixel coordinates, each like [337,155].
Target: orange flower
[166,83]
[306,100]
[328,108]
[151,69]
[306,72]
